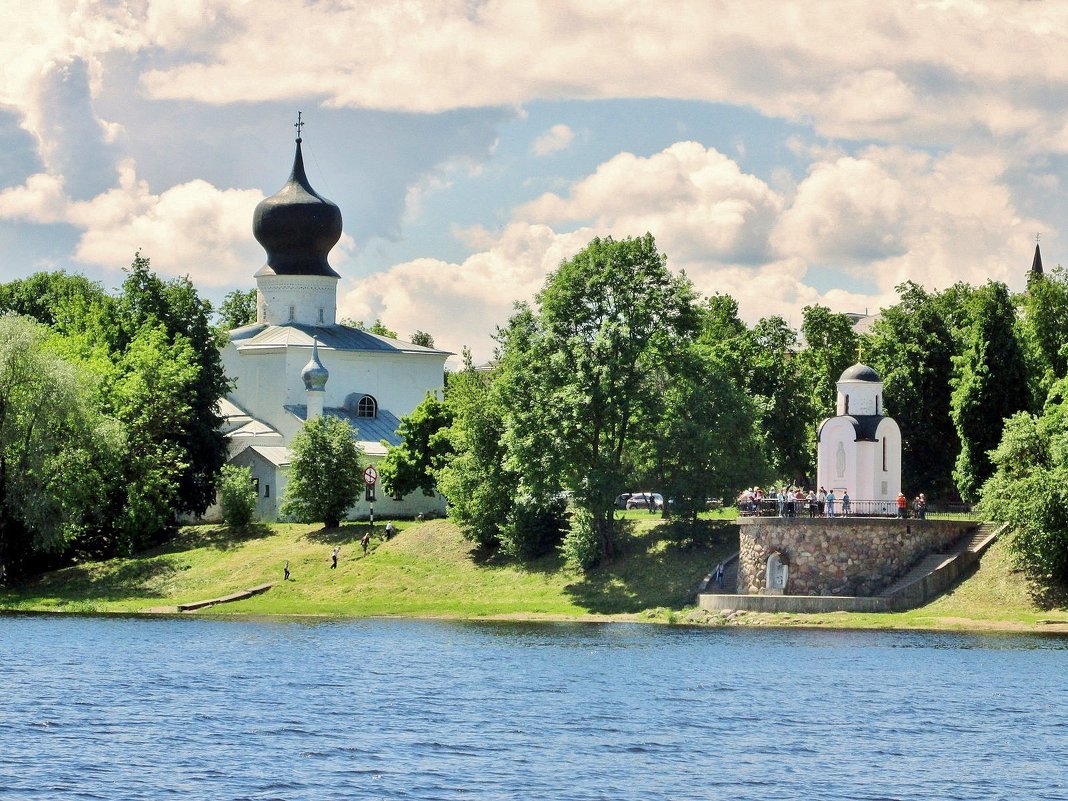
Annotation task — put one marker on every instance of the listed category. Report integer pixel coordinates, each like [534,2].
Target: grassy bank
[426,570]
[429,570]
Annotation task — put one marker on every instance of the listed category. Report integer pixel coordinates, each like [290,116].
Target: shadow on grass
[138,578]
[1048,595]
[220,537]
[345,534]
[656,567]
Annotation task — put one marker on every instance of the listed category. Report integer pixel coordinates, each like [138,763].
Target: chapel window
[321,315]
[884,454]
[266,490]
[292,313]
[846,405]
[367,407]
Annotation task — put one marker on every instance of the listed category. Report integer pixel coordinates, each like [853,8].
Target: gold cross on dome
[298,124]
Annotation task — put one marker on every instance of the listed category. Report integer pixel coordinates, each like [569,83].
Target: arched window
[367,407]
[846,405]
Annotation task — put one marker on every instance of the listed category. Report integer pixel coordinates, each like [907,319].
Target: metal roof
[369,429]
[331,337]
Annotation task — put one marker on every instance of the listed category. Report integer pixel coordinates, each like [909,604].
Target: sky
[784,153]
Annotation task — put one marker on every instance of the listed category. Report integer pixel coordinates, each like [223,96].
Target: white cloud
[557,138]
[190,229]
[884,215]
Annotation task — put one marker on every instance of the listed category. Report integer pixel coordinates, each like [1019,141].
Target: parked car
[640,500]
[621,500]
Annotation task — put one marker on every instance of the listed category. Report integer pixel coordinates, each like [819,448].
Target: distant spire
[1036,265]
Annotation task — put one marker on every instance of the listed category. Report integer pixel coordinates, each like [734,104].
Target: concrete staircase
[930,577]
[963,553]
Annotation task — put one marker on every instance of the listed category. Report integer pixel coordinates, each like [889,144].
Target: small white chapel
[297,362]
[859,450]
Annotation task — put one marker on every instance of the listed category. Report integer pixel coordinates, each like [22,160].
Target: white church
[859,450]
[297,362]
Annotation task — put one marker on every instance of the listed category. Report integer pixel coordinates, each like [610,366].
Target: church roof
[297,227]
[370,431]
[860,372]
[332,337]
[866,426]
[277,455]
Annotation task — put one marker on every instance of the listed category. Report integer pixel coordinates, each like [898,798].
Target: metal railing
[770,507]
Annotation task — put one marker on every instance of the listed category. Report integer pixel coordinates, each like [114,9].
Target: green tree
[1029,486]
[422,338]
[426,448]
[237,496]
[54,446]
[703,443]
[325,475]
[993,386]
[574,372]
[1044,329]
[782,391]
[146,300]
[377,327]
[830,347]
[238,309]
[912,346]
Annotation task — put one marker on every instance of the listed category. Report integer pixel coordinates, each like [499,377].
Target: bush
[531,530]
[237,496]
[581,547]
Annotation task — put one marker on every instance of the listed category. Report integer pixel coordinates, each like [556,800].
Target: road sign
[370,476]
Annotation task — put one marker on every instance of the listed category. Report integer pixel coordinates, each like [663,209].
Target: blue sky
[784,153]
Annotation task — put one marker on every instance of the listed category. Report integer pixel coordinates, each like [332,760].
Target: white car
[640,500]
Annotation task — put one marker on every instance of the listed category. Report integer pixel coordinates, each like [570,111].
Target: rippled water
[102,708]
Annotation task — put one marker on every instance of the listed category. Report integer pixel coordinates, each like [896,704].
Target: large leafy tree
[56,448]
[1044,329]
[146,300]
[830,346]
[1029,486]
[426,448]
[702,442]
[782,390]
[575,370]
[993,385]
[912,346]
[325,475]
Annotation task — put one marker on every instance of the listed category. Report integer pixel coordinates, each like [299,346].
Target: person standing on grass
[333,556]
[366,540]
[285,571]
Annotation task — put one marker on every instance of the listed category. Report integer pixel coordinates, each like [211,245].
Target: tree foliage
[1029,486]
[325,475]
[426,448]
[574,370]
[422,338]
[56,448]
[912,346]
[237,496]
[993,386]
[238,308]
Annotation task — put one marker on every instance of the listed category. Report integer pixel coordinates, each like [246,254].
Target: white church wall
[307,299]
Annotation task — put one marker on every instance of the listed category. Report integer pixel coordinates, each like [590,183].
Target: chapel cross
[1037,237]
[298,125]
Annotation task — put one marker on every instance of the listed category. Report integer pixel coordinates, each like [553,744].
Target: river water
[128,708]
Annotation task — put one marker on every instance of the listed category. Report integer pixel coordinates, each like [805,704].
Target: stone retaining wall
[839,556]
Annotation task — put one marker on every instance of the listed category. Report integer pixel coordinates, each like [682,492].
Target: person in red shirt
[902,504]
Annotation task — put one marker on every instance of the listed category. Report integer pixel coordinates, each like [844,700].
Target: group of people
[365,541]
[794,501]
[919,506]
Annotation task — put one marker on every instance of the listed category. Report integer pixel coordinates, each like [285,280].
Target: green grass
[427,570]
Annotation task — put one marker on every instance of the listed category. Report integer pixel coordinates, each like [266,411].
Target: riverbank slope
[429,570]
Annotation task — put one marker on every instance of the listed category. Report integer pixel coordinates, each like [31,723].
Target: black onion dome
[297,227]
[860,372]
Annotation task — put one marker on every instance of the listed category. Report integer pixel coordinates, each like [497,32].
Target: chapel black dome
[860,372]
[297,227]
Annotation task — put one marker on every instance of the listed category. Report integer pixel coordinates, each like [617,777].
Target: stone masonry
[838,556]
